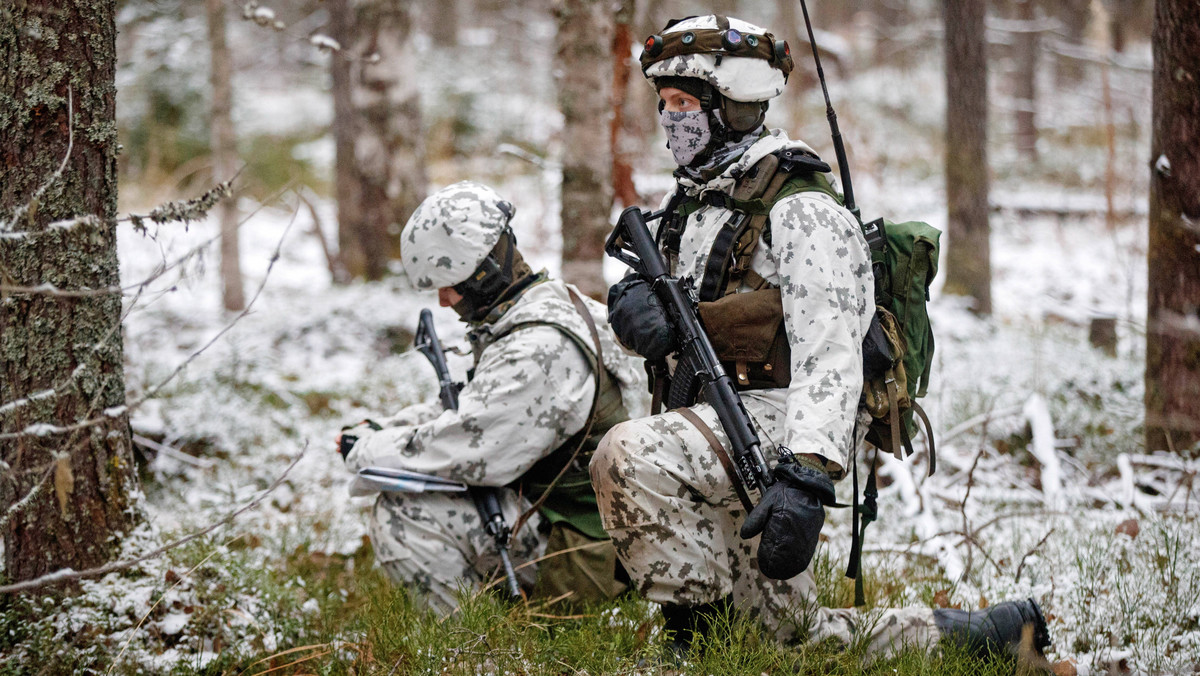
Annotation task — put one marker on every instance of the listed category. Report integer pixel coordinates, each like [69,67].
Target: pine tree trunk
[224,154]
[1025,89]
[351,258]
[585,30]
[385,160]
[61,357]
[1173,308]
[968,252]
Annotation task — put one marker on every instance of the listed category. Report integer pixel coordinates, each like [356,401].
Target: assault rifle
[486,500]
[631,243]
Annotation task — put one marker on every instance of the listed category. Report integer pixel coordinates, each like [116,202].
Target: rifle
[486,499]
[631,243]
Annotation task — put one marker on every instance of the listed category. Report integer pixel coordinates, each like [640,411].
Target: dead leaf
[983,602]
[1129,527]
[171,577]
[64,481]
[941,599]
[1064,668]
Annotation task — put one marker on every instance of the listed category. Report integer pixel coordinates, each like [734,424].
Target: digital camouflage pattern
[664,497]
[739,78]
[451,232]
[532,391]
[687,134]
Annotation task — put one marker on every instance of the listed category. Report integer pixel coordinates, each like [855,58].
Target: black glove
[639,320]
[789,517]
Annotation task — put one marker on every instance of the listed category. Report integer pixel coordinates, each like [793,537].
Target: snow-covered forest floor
[1043,487]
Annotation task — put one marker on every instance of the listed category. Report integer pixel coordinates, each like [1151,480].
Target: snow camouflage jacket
[532,390]
[819,259]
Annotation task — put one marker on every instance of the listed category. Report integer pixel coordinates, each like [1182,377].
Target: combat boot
[995,630]
[683,624]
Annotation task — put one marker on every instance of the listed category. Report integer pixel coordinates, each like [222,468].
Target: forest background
[269,152]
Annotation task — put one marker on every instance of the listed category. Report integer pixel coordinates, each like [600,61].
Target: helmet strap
[492,280]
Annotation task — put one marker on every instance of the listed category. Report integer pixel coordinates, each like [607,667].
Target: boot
[684,623]
[995,630]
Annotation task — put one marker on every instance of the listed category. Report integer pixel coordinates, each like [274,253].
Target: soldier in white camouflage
[786,306]
[533,411]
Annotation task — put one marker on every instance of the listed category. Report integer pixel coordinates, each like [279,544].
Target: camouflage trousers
[435,544]
[674,517]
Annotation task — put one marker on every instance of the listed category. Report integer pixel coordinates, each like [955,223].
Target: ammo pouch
[746,331]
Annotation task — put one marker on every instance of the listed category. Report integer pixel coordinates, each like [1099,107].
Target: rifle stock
[632,244]
[487,500]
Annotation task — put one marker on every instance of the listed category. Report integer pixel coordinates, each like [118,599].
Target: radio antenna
[839,148]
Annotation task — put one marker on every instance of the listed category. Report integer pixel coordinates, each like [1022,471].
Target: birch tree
[1173,308]
[968,252]
[67,480]
[585,78]
[224,154]
[377,129]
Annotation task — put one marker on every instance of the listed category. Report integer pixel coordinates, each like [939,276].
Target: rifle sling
[719,450]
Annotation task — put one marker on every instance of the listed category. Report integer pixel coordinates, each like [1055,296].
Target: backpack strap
[775,176]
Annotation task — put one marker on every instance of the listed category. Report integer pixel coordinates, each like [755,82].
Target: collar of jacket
[507,300]
[772,141]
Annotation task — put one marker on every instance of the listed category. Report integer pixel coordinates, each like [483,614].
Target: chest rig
[745,326]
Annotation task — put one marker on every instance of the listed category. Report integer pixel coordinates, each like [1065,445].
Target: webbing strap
[894,413]
[869,510]
[928,436]
[719,450]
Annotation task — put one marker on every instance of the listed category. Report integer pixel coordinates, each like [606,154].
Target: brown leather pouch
[747,332]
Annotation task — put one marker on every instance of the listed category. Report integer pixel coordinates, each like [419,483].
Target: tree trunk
[622,56]
[351,256]
[1025,89]
[968,254]
[224,155]
[583,44]
[1173,308]
[1075,16]
[384,158]
[61,357]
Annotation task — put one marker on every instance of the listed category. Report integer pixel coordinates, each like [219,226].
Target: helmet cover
[451,233]
[749,67]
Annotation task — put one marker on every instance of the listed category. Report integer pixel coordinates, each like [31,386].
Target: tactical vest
[572,499]
[746,328]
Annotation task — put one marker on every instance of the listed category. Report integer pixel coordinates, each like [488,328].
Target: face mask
[687,134]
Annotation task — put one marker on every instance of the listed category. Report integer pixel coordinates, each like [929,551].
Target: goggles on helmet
[719,41]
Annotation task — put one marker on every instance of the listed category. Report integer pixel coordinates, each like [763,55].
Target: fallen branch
[68,575]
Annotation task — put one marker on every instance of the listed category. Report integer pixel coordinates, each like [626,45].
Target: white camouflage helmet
[451,232]
[742,61]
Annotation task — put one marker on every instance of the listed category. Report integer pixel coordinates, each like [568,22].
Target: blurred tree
[1173,307]
[584,75]
[380,165]
[224,154]
[1074,16]
[1025,51]
[968,253]
[69,490]
[622,54]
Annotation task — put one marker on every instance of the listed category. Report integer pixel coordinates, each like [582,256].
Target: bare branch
[46,429]
[7,226]
[1021,566]
[17,506]
[68,575]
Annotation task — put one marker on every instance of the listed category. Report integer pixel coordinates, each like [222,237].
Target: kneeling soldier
[549,379]
[785,286]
